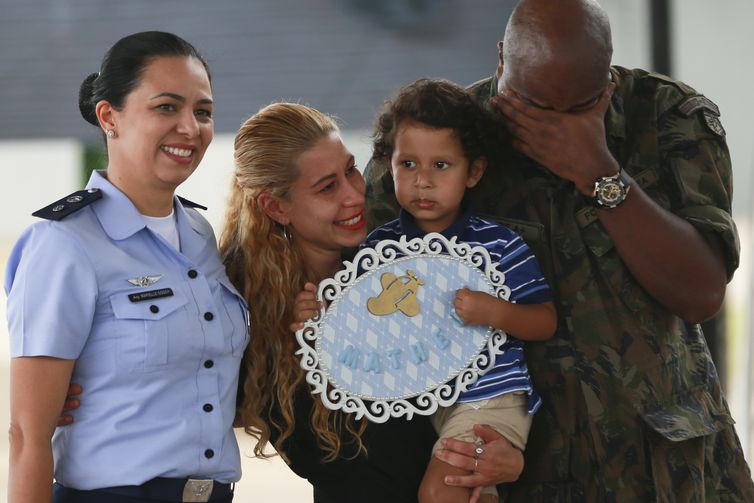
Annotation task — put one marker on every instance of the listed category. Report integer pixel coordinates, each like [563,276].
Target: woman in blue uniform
[121,290]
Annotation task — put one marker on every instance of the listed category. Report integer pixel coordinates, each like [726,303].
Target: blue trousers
[62,494]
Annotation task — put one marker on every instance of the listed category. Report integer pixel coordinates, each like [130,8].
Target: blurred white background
[711,44]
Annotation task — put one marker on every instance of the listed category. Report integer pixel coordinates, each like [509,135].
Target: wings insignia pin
[145,280]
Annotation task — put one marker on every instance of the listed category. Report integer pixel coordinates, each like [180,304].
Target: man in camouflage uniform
[633,410]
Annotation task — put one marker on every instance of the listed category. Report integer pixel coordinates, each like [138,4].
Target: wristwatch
[610,191]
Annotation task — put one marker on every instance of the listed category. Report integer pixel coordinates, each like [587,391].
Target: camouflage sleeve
[381,204]
[692,145]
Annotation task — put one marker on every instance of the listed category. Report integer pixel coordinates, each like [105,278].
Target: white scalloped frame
[371,259]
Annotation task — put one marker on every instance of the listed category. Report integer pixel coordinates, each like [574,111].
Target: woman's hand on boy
[500,462]
[71,403]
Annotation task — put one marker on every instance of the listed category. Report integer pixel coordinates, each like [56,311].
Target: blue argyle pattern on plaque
[397,356]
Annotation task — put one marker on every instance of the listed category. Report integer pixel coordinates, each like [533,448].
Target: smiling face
[325,205]
[431,174]
[163,129]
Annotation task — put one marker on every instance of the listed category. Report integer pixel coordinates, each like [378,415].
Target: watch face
[610,192]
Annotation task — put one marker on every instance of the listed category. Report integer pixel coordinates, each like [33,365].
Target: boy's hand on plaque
[305,307]
[472,306]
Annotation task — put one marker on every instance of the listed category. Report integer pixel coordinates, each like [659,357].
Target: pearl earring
[110,133]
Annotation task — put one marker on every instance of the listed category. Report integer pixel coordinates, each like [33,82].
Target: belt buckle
[197,490]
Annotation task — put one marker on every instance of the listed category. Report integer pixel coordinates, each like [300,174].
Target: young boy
[436,140]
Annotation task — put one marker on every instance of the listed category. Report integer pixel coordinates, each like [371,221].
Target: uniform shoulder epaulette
[191,204]
[684,88]
[69,204]
[693,102]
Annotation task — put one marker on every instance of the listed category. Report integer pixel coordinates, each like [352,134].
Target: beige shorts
[508,414]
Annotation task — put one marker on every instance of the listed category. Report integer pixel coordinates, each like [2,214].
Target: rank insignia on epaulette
[69,204]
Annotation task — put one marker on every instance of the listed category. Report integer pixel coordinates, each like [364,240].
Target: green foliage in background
[92,157]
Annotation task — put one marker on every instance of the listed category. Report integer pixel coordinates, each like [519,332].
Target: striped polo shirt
[522,275]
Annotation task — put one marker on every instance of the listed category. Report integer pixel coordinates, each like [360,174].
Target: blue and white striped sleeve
[523,274]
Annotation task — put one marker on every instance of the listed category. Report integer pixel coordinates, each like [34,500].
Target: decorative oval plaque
[389,343]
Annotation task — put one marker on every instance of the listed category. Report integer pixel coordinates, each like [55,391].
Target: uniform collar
[493,87]
[411,230]
[119,217]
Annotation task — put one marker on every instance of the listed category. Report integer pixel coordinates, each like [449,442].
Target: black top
[397,455]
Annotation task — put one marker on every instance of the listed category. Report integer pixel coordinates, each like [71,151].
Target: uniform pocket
[152,328]
[595,236]
[236,321]
[533,233]
[688,416]
[610,271]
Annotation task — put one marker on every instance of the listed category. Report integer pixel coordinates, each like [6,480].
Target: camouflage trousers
[631,464]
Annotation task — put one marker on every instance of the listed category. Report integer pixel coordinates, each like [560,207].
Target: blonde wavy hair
[263,263]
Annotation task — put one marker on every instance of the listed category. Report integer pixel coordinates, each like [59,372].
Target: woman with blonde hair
[270,251]
[297,200]
[296,203]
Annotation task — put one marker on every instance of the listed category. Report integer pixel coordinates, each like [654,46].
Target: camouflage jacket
[619,358]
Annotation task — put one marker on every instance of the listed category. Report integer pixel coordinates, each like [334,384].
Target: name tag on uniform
[150,295]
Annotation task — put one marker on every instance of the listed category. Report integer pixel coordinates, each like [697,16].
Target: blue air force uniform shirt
[522,275]
[157,335]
